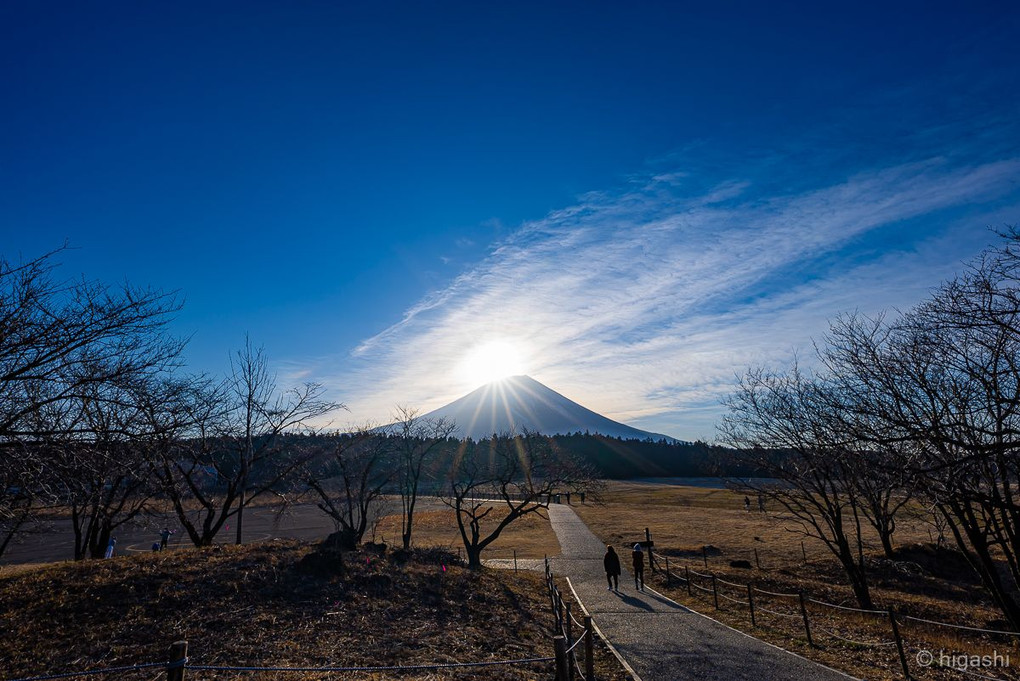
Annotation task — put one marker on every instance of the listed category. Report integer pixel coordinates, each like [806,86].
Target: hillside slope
[274,603]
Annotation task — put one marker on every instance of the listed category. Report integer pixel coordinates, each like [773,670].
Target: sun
[492,361]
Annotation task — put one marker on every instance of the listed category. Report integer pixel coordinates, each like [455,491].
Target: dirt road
[55,540]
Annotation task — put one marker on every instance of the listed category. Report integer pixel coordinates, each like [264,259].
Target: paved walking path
[659,639]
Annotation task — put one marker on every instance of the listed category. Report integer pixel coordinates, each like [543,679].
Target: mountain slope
[521,403]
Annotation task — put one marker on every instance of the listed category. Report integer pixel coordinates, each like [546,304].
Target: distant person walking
[164,537]
[761,503]
[110,548]
[747,504]
[611,562]
[638,558]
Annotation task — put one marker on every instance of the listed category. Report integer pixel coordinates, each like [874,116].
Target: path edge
[630,670]
[753,638]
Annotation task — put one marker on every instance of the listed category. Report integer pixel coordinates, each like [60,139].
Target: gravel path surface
[659,639]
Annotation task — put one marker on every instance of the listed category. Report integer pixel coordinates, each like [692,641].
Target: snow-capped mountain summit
[520,403]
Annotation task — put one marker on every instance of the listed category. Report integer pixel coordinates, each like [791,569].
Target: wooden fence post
[569,626]
[750,603]
[648,545]
[899,643]
[559,645]
[589,649]
[515,561]
[669,577]
[559,608]
[803,614]
[687,576]
[704,554]
[757,563]
[178,659]
[803,552]
[552,599]
[715,592]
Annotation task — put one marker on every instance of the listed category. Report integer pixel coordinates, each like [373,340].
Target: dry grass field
[278,603]
[684,521]
[530,536]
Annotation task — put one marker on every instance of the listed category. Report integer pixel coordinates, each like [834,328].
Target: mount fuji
[519,403]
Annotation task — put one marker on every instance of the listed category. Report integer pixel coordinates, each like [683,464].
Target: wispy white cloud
[643,304]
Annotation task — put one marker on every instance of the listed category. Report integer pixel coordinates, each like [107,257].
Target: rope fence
[689,579]
[774,593]
[568,666]
[181,665]
[847,608]
[777,614]
[96,672]
[733,600]
[390,668]
[960,626]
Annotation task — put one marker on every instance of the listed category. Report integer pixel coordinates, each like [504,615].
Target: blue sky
[644,199]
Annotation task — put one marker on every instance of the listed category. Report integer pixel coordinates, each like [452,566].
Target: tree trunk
[240,518]
[474,555]
[856,574]
[859,585]
[887,547]
[100,540]
[408,520]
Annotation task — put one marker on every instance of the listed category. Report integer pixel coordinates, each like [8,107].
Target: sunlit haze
[492,361]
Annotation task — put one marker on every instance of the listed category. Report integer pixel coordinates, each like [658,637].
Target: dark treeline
[610,457]
[620,459]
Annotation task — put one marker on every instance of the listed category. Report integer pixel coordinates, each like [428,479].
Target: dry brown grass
[683,520]
[531,536]
[276,603]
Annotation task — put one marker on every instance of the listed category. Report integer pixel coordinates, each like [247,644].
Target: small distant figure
[747,505]
[110,548]
[568,498]
[638,558]
[155,547]
[164,537]
[611,562]
[582,497]
[761,503]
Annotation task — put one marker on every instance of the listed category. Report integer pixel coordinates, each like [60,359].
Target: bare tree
[19,475]
[100,469]
[258,416]
[64,345]
[871,465]
[349,481]
[944,382]
[498,481]
[883,490]
[237,444]
[416,440]
[57,339]
[779,421]
[190,466]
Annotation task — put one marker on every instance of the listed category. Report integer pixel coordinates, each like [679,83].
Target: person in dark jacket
[638,557]
[611,562]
